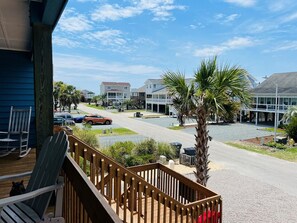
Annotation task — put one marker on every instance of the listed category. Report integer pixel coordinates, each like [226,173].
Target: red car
[97,119]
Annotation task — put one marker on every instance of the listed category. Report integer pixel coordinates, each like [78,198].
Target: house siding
[16,87]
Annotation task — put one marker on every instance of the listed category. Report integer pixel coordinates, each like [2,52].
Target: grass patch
[270,129]
[287,154]
[113,132]
[176,127]
[94,106]
[151,116]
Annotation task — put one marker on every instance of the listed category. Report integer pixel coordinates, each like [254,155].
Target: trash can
[137,114]
[177,146]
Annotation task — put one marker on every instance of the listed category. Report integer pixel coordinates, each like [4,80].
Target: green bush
[120,151]
[291,128]
[131,154]
[148,146]
[166,150]
[86,135]
[275,145]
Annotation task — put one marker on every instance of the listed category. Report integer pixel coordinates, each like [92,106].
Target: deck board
[149,213]
[12,164]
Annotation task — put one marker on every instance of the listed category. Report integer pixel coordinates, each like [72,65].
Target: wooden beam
[43,80]
[52,11]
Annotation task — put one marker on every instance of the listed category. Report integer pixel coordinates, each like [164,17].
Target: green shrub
[86,135]
[166,150]
[275,145]
[148,146]
[291,128]
[120,151]
[131,154]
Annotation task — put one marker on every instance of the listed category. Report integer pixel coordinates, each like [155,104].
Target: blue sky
[134,40]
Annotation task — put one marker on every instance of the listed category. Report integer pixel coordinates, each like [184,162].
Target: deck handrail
[82,202]
[133,198]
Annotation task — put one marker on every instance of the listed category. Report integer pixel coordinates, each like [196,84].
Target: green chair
[31,206]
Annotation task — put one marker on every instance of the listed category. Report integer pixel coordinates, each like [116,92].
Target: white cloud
[239,42]
[243,3]
[231,17]
[280,5]
[161,9]
[86,0]
[226,18]
[235,43]
[287,46]
[83,64]
[210,51]
[290,17]
[62,41]
[109,37]
[114,12]
[72,21]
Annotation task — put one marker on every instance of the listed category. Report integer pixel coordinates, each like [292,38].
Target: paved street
[252,185]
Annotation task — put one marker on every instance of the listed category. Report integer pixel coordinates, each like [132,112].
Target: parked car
[68,118]
[97,119]
[59,121]
[78,119]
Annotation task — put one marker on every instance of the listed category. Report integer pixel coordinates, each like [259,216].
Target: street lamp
[275,116]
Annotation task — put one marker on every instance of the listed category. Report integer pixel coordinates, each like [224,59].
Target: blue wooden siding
[16,87]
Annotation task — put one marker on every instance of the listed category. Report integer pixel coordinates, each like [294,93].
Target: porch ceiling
[16,17]
[15,29]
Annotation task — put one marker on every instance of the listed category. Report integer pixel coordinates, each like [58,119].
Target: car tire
[90,122]
[107,122]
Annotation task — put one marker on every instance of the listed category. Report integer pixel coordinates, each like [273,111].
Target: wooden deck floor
[12,164]
[156,213]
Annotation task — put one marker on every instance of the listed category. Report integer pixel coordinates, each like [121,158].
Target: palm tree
[290,113]
[57,93]
[214,88]
[181,94]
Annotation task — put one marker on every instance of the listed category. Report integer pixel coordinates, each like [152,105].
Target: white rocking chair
[17,135]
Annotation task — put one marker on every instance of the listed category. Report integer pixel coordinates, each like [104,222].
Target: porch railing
[150,193]
[81,201]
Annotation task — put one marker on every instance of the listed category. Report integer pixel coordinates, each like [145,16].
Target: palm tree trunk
[201,146]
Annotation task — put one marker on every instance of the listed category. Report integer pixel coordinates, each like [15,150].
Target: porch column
[240,116]
[256,121]
[43,81]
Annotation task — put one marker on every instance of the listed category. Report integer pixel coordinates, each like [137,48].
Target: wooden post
[43,80]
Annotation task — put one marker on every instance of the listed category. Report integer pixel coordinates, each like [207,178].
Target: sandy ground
[182,169]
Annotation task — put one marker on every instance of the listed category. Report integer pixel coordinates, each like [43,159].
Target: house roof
[161,91]
[154,81]
[286,83]
[17,17]
[116,83]
[141,89]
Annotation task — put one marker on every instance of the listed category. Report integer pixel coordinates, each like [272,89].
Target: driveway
[221,132]
[254,187]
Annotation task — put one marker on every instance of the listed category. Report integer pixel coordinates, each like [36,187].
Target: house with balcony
[138,96]
[116,92]
[157,96]
[87,95]
[272,98]
[96,188]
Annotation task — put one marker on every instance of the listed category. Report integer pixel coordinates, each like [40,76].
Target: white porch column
[256,122]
